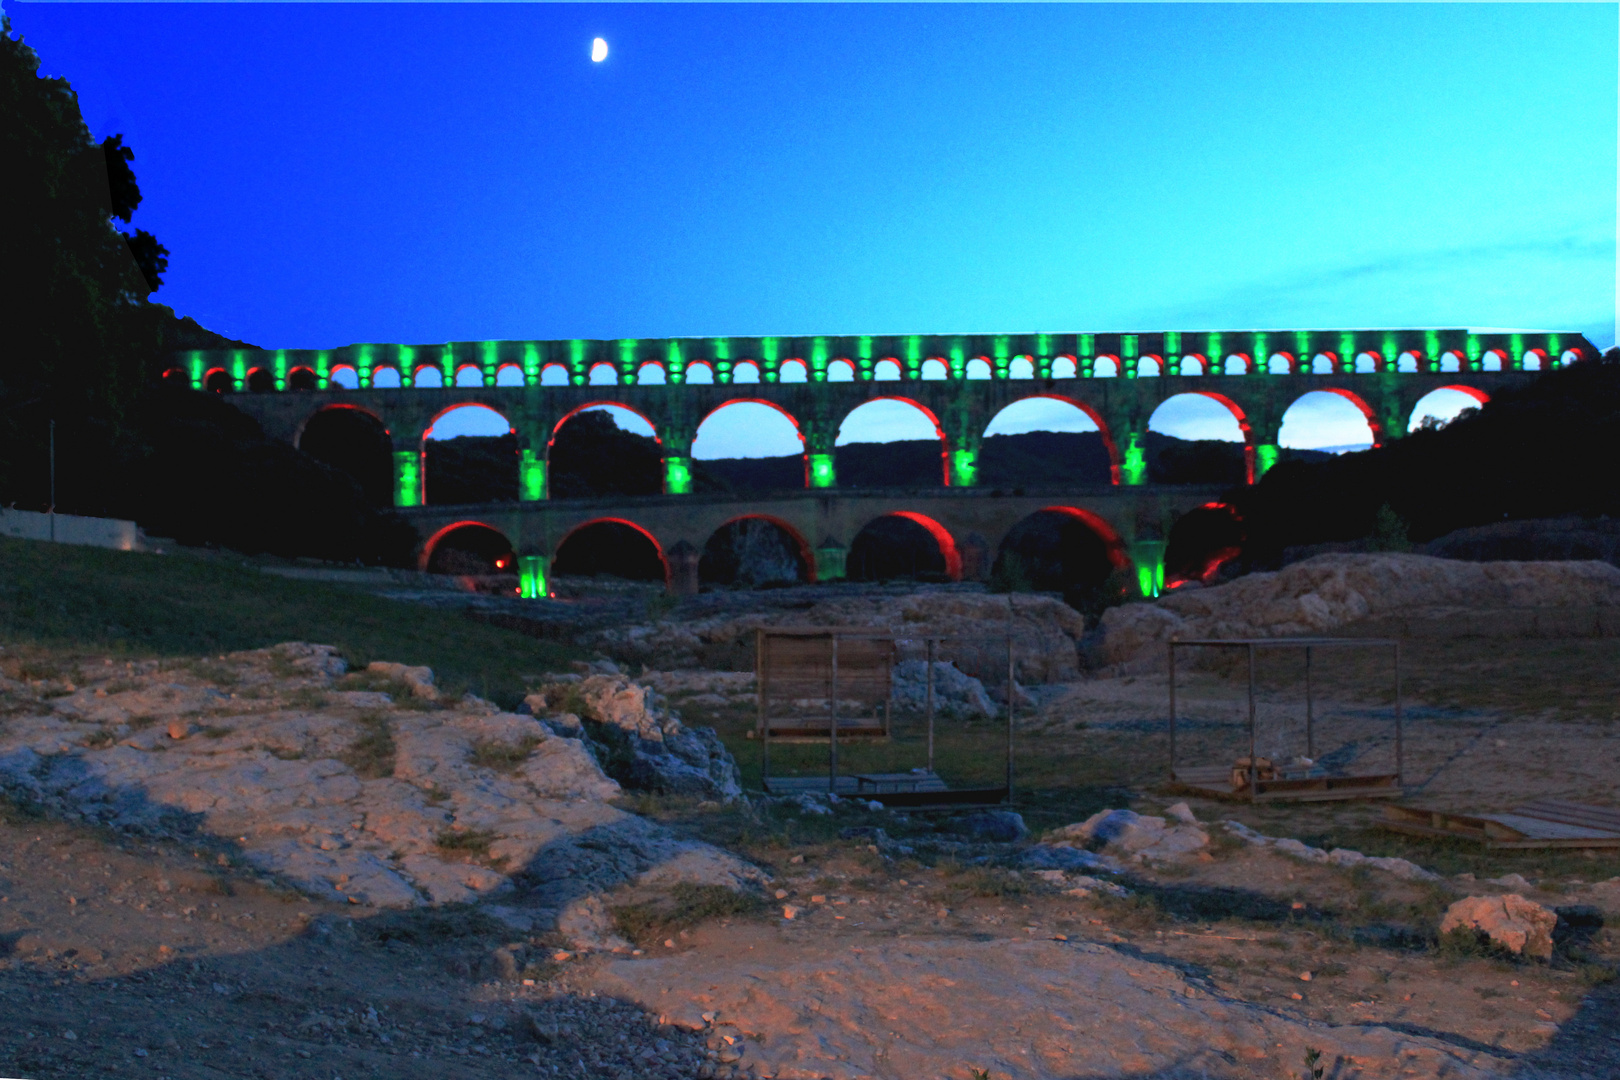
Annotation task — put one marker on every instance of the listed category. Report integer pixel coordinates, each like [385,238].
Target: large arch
[1200,542]
[592,546]
[1443,404]
[1085,410]
[723,564]
[1166,463]
[1064,549]
[847,479]
[469,548]
[883,549]
[576,410]
[1320,401]
[355,441]
[467,458]
[765,464]
[592,452]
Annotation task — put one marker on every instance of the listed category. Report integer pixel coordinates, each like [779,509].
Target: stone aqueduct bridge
[962,382]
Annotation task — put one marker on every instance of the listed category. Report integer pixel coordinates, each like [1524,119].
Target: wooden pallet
[1546,823]
[901,791]
[1215,781]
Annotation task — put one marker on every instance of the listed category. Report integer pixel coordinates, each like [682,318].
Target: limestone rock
[1518,925]
[993,826]
[419,679]
[1140,836]
[954,692]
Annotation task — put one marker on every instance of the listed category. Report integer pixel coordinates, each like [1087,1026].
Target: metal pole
[1172,647]
[931,643]
[1009,706]
[1400,745]
[832,747]
[1254,761]
[1310,710]
[53,480]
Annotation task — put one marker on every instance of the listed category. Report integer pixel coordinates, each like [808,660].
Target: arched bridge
[960,381]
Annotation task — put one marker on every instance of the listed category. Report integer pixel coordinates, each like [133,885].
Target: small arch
[1568,357]
[1280,363]
[1236,364]
[1440,407]
[1200,542]
[700,373]
[1150,366]
[979,368]
[756,549]
[469,375]
[651,374]
[1105,367]
[1493,360]
[260,381]
[886,370]
[1021,367]
[903,544]
[840,370]
[793,371]
[468,548]
[427,377]
[509,375]
[302,378]
[603,373]
[1409,362]
[1451,361]
[1368,362]
[1331,421]
[1063,549]
[1065,367]
[385,378]
[345,376]
[1324,363]
[746,372]
[613,546]
[1192,364]
[935,370]
[219,381]
[176,376]
[1533,360]
[356,442]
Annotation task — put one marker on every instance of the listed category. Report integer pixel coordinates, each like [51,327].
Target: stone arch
[596,545]
[1021,367]
[1065,367]
[840,370]
[978,367]
[260,380]
[577,409]
[874,555]
[1479,396]
[554,374]
[469,472]
[935,369]
[1150,366]
[1452,361]
[793,370]
[602,373]
[1247,435]
[700,373]
[719,562]
[1353,398]
[1571,356]
[1200,541]
[1090,413]
[1192,365]
[1280,363]
[469,376]
[1105,366]
[1236,364]
[1063,549]
[887,369]
[353,440]
[427,377]
[510,375]
[1409,362]
[1493,360]
[219,381]
[798,431]
[1368,362]
[651,373]
[303,378]
[746,372]
[483,548]
[1533,360]
[1325,363]
[939,430]
[176,376]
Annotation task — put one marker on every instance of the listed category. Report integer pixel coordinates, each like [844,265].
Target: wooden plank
[1514,829]
[1597,817]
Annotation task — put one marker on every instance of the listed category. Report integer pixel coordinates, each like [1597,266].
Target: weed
[1313,1064]
[372,754]
[1596,974]
[981,1074]
[98,740]
[214,731]
[307,697]
[469,841]
[1331,970]
[143,721]
[283,753]
[397,689]
[211,671]
[1487,992]
[502,756]
[687,905]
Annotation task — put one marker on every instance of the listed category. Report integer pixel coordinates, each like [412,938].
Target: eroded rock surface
[1518,925]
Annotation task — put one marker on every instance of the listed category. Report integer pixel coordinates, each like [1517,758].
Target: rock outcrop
[1320,594]
[1511,922]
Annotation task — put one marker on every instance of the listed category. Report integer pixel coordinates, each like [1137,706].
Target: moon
[598,50]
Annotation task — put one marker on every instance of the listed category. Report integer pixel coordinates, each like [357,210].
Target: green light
[722,349]
[323,369]
[1553,351]
[447,364]
[531,364]
[958,362]
[914,351]
[1516,353]
[1129,346]
[1347,353]
[1217,359]
[1262,355]
[864,350]
[1475,351]
[1133,468]
[1431,350]
[1144,580]
[822,472]
[1265,456]
[238,369]
[1172,344]
[1149,558]
[407,366]
[818,354]
[407,478]
[1087,345]
[768,349]
[491,360]
[532,577]
[576,363]
[198,366]
[362,365]
[964,468]
[831,562]
[1392,352]
[627,362]
[677,475]
[674,365]
[531,477]
[281,369]
[1302,349]
[1043,344]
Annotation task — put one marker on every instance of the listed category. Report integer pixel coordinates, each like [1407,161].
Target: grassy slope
[58,598]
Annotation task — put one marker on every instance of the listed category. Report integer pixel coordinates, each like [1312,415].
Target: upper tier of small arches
[784,360]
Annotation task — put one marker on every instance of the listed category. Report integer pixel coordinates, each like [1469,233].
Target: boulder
[1518,925]
[954,692]
[419,679]
[991,826]
[1141,836]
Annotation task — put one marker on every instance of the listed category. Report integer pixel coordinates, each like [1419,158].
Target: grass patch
[398,689]
[687,905]
[371,755]
[473,842]
[502,756]
[184,604]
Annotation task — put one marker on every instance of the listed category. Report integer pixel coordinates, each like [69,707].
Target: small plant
[212,671]
[307,697]
[502,756]
[1591,974]
[467,841]
[371,755]
[1313,1064]
[1389,531]
[98,740]
[1487,992]
[1331,970]
[687,905]
[981,1074]
[214,731]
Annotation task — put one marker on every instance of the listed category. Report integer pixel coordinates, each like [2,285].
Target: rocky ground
[264,865]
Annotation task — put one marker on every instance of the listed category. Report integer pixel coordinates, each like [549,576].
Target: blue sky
[325,174]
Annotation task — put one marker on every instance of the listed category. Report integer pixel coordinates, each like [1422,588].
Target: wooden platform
[901,791]
[1215,781]
[1546,823]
